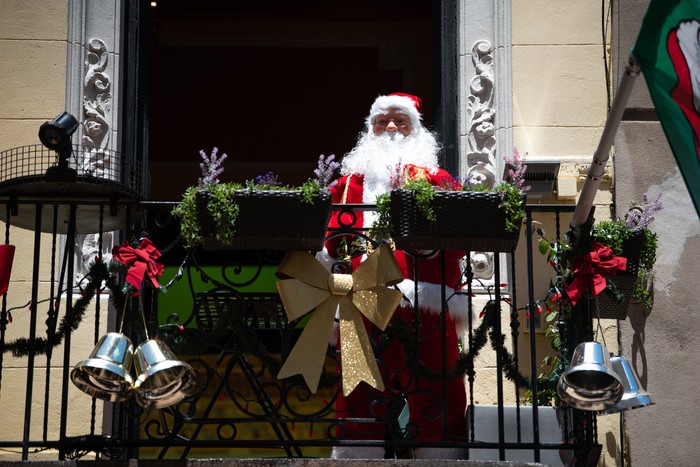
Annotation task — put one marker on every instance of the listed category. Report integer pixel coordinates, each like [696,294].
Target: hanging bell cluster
[162,379]
[596,382]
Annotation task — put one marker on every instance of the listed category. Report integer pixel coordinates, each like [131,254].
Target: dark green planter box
[465,220]
[270,220]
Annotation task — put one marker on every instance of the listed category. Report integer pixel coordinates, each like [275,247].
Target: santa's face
[391,142]
[392,123]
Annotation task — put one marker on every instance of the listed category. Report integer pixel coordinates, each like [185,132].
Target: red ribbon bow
[142,260]
[590,270]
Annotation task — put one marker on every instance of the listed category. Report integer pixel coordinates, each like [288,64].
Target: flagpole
[602,153]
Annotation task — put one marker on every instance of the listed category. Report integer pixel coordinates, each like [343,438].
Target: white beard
[380,158]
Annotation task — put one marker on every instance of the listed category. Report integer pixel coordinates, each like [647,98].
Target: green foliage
[549,396]
[613,234]
[425,192]
[223,211]
[556,253]
[512,205]
[648,257]
[186,212]
[310,190]
[382,226]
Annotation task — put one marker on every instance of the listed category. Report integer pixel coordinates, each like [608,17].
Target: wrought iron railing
[222,314]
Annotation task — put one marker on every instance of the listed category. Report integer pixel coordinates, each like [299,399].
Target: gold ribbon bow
[364,292]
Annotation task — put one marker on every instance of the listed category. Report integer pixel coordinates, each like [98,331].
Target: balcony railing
[221,313]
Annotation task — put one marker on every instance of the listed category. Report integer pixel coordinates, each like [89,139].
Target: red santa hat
[405,103]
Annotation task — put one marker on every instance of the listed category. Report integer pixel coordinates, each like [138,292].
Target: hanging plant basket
[269,220]
[464,220]
[611,306]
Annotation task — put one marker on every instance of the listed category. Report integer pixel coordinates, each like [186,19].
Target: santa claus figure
[396,145]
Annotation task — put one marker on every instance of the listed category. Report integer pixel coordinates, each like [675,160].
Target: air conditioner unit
[540,176]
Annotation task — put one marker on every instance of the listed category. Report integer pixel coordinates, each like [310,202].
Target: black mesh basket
[88,172]
[625,281]
[465,220]
[270,220]
[89,176]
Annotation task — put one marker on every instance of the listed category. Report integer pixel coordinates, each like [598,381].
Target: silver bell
[634,395]
[162,379]
[590,383]
[587,400]
[105,375]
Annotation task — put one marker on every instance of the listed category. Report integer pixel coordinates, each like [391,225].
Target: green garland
[98,273]
[232,324]
[464,366]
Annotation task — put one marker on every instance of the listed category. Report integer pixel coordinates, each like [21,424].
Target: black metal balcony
[222,314]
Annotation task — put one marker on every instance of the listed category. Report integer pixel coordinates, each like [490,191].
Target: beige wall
[559,94]
[559,89]
[559,111]
[33,51]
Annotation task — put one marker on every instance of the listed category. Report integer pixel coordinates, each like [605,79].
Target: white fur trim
[402,103]
[459,310]
[335,333]
[430,300]
[325,259]
[354,452]
[440,453]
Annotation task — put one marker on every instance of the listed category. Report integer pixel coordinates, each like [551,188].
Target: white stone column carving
[97,102]
[484,99]
[91,80]
[480,117]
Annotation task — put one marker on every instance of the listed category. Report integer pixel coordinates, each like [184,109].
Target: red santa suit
[424,396]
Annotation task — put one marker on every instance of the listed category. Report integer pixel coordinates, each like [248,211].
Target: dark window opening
[275,84]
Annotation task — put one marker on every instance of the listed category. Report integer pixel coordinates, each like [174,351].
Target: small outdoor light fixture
[56,135]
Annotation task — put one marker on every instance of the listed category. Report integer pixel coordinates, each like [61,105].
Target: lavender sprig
[269,179]
[211,167]
[325,170]
[396,179]
[637,218]
[516,174]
